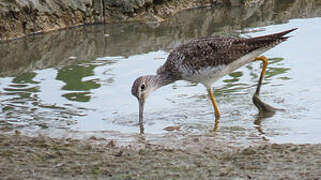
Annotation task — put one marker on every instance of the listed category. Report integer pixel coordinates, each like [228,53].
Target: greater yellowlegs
[204,61]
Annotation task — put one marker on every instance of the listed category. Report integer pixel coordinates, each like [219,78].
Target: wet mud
[41,157]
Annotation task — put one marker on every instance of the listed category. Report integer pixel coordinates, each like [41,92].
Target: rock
[20,18]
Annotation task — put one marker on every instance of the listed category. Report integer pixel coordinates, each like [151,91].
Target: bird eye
[142,87]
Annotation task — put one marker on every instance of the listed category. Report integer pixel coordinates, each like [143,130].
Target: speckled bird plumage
[214,52]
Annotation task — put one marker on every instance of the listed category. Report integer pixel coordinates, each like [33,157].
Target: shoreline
[42,157]
[19,19]
[23,18]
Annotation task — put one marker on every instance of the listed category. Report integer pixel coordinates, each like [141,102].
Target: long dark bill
[141,116]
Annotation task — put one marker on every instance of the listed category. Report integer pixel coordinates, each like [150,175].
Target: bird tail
[276,36]
[270,40]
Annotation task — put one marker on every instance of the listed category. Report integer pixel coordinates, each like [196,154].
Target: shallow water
[78,81]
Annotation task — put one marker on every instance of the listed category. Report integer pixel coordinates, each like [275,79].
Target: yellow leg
[216,124]
[217,112]
[256,100]
[265,64]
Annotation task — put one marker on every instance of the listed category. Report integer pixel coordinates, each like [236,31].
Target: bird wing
[197,54]
[215,51]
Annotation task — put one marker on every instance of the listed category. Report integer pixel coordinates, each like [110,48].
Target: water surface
[77,82]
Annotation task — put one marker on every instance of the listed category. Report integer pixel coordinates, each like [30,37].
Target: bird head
[141,89]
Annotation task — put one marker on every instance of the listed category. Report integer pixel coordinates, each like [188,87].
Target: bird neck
[162,80]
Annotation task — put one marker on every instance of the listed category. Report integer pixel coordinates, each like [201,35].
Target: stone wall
[23,17]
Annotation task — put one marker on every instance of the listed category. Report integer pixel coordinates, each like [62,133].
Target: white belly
[208,75]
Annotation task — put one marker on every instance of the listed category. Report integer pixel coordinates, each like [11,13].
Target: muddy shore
[29,17]
[23,157]
[21,18]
